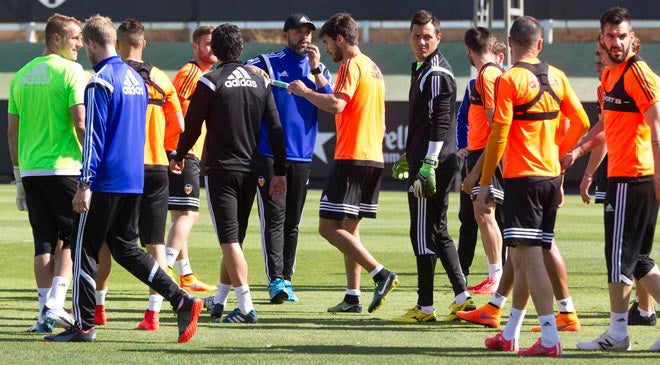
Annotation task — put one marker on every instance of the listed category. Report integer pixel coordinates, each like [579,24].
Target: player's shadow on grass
[443,352]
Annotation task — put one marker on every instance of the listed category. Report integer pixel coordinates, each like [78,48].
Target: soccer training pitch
[304,333]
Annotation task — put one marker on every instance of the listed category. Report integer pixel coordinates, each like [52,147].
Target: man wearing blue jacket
[110,187]
[299,60]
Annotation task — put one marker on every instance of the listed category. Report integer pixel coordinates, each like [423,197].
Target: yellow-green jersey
[41,94]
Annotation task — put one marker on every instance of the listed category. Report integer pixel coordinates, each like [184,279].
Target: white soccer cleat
[57,317]
[605,343]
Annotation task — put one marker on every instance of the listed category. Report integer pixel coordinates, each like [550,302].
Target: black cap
[295,21]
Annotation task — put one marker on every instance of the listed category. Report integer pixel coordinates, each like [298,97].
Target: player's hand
[584,188]
[400,168]
[298,88]
[176,166]
[21,203]
[313,56]
[462,153]
[568,159]
[258,71]
[424,186]
[82,200]
[483,200]
[277,187]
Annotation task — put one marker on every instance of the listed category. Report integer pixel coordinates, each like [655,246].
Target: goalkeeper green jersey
[41,94]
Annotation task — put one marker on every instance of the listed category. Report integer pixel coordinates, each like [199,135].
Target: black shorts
[496,183]
[630,213]
[50,210]
[351,192]
[601,181]
[153,207]
[184,187]
[530,211]
[230,195]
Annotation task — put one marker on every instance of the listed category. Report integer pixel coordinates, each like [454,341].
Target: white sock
[512,328]
[183,266]
[375,271]
[100,296]
[618,328]
[57,294]
[170,256]
[244,299]
[355,292]
[427,308]
[549,334]
[565,305]
[498,300]
[495,271]
[462,297]
[222,294]
[155,302]
[42,296]
[644,313]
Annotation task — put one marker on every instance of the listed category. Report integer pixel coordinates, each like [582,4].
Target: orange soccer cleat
[487,315]
[566,322]
[190,283]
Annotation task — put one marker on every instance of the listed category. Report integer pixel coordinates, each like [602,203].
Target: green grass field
[304,333]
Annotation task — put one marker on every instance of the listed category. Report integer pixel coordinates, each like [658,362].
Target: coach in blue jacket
[299,60]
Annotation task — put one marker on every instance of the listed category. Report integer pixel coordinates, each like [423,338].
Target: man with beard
[299,60]
[351,191]
[631,129]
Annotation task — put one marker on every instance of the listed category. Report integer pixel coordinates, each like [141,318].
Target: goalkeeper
[432,161]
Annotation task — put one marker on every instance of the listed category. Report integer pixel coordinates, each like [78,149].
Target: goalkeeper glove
[21,204]
[424,186]
[400,168]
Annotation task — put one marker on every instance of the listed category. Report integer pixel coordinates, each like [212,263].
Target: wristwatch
[316,71]
[82,185]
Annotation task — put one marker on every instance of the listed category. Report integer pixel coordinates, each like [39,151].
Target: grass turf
[303,333]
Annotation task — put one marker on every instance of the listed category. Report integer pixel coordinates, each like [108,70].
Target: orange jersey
[185,82]
[360,124]
[629,89]
[484,98]
[154,154]
[532,145]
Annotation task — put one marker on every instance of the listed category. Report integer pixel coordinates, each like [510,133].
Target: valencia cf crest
[261,181]
[187,189]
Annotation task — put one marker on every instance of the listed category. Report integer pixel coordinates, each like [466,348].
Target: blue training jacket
[116,108]
[462,126]
[299,117]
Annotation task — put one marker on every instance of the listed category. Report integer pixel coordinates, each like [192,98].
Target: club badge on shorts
[187,189]
[261,181]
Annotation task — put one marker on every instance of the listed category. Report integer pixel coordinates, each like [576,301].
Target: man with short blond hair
[110,187]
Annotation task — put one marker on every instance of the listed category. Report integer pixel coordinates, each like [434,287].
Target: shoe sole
[413,321]
[349,310]
[574,327]
[197,289]
[395,282]
[195,311]
[279,298]
[147,327]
